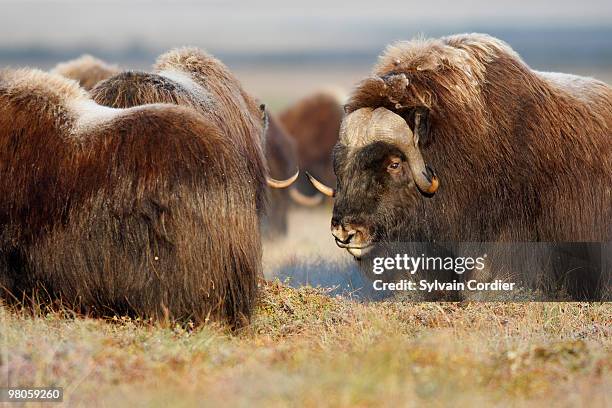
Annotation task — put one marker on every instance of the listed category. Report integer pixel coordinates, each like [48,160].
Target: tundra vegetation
[304,347]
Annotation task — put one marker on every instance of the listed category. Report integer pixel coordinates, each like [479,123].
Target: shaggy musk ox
[190,77]
[87,70]
[314,123]
[151,211]
[519,155]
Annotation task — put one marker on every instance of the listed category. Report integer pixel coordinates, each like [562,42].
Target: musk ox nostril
[345,238]
[349,237]
[341,234]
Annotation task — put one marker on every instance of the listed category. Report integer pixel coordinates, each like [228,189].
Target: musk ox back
[518,155]
[149,211]
[190,77]
[87,70]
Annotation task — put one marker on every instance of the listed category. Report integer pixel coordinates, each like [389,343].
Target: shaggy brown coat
[87,70]
[149,211]
[521,155]
[190,77]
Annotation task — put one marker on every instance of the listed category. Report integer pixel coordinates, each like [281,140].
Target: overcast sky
[238,26]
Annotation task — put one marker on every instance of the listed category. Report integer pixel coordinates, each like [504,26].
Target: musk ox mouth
[358,251]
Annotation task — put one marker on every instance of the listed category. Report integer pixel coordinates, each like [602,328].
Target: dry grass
[307,348]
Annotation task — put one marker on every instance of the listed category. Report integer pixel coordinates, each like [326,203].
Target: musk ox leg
[15,282]
[274,224]
[580,269]
[9,271]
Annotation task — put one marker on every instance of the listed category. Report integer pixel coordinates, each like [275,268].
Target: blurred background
[282,51]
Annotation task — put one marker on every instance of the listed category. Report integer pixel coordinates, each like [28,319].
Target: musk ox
[314,123]
[281,156]
[87,70]
[151,211]
[519,155]
[190,77]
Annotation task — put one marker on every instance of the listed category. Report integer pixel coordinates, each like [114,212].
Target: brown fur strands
[190,77]
[314,123]
[86,70]
[147,211]
[521,155]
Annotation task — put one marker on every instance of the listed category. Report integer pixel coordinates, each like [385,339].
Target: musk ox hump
[87,70]
[464,52]
[47,88]
[184,79]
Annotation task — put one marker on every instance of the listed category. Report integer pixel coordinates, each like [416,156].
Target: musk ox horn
[282,183]
[367,125]
[304,200]
[417,164]
[328,191]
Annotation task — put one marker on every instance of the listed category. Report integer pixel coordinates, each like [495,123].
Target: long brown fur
[87,70]
[150,211]
[521,155]
[190,77]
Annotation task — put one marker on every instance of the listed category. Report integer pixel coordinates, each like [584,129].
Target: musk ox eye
[394,165]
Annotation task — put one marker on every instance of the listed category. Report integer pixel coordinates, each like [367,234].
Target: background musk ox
[151,211]
[519,155]
[313,123]
[87,70]
[281,156]
[190,77]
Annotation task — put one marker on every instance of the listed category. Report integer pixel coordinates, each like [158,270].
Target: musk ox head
[379,168]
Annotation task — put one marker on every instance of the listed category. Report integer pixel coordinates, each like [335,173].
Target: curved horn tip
[282,183]
[432,178]
[328,191]
[435,184]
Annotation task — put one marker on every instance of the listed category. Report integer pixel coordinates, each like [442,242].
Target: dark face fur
[374,185]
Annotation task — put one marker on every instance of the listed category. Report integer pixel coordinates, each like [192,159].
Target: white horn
[328,191]
[282,183]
